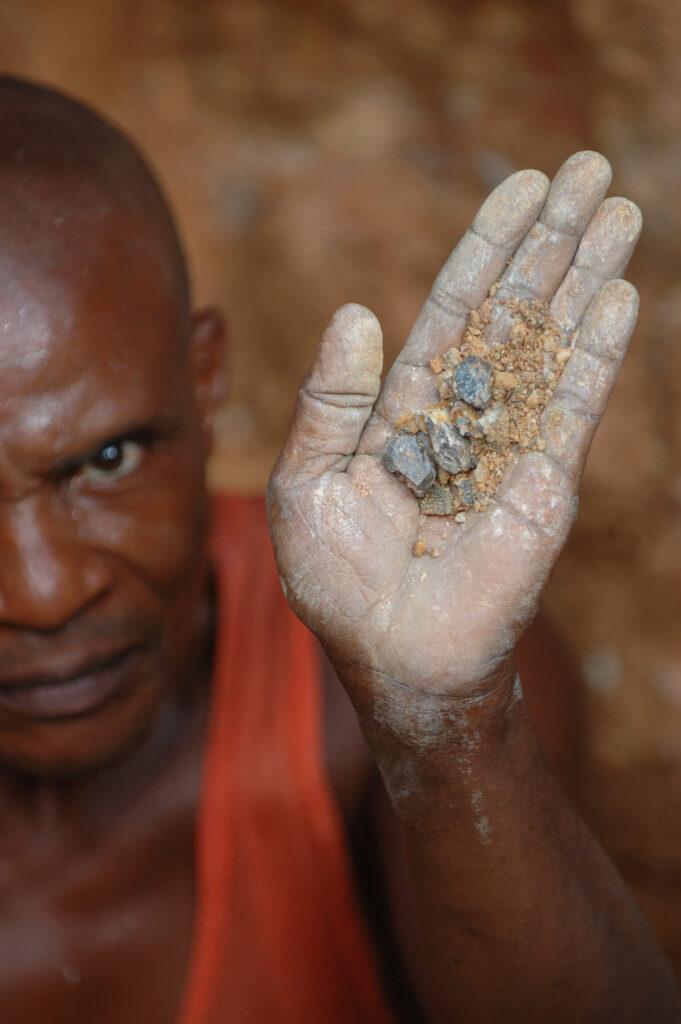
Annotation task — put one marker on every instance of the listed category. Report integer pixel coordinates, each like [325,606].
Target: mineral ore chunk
[451,451]
[495,424]
[467,493]
[437,502]
[405,456]
[473,382]
[466,420]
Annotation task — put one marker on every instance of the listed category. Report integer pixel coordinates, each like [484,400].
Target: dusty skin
[560,243]
[519,907]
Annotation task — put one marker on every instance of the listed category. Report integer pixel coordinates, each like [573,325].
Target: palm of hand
[344,528]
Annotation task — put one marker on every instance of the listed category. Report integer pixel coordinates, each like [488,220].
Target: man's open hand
[344,528]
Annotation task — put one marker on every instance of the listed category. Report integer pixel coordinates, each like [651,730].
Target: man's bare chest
[102,930]
[103,935]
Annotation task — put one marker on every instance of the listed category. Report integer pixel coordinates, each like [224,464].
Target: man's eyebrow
[144,432]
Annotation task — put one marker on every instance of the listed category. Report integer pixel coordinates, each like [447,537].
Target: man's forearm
[524,918]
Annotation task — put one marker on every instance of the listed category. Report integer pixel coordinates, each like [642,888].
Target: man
[153,686]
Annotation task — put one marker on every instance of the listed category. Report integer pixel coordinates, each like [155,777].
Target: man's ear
[208,364]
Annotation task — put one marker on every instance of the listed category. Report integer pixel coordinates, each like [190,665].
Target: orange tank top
[278,938]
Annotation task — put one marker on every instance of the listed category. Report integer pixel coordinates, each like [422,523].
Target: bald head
[68,180]
[108,386]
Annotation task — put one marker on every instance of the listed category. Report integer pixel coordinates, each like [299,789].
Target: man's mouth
[70,692]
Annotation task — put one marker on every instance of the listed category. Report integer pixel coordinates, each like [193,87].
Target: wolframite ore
[473,382]
[466,492]
[438,502]
[451,451]
[405,456]
[495,424]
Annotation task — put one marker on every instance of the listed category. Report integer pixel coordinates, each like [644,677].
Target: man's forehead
[49,324]
[64,225]
[98,309]
[74,261]
[81,358]
[64,387]
[25,326]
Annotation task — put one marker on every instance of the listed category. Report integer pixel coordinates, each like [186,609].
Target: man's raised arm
[523,916]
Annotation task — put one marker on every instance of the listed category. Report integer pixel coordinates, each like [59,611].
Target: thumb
[336,397]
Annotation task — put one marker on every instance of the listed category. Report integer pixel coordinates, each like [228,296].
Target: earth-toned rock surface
[332,151]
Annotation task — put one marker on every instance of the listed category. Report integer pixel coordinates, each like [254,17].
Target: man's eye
[114,461]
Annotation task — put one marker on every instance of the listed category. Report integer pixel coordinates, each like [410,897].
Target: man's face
[104,402]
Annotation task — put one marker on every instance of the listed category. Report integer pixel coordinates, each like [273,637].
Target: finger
[570,419]
[475,264]
[335,398]
[464,281]
[539,492]
[545,254]
[603,253]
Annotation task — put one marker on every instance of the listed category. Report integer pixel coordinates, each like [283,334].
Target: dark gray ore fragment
[466,492]
[404,456]
[473,382]
[451,451]
[438,502]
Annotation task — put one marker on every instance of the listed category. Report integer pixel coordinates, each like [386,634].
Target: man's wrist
[436,738]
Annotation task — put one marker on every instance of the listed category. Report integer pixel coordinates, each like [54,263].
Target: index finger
[476,263]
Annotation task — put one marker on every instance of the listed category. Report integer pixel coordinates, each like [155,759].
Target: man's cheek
[161,540]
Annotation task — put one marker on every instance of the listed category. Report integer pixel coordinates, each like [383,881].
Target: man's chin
[64,748]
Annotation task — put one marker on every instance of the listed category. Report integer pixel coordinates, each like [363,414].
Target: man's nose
[47,573]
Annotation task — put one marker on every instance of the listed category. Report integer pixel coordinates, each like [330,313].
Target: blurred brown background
[334,150]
